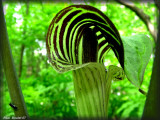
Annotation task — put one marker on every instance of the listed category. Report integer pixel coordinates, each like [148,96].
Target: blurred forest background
[50,94]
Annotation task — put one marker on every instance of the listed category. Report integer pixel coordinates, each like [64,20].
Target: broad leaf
[137,51]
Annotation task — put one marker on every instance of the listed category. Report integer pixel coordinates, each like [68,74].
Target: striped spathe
[65,37]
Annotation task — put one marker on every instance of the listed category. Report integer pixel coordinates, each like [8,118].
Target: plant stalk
[92,89]
[152,104]
[10,71]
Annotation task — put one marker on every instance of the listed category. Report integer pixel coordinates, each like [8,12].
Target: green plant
[17,99]
[77,39]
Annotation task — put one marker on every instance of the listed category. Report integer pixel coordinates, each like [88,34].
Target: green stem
[152,105]
[9,70]
[92,89]
[1,88]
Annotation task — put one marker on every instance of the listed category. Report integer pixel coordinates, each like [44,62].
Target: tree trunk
[1,88]
[17,99]
[23,46]
[21,60]
[144,17]
[152,105]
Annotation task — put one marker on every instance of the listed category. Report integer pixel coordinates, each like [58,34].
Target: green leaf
[137,51]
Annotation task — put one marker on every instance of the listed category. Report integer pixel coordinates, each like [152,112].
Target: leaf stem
[9,69]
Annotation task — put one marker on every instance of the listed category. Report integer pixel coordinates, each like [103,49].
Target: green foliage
[137,52]
[49,94]
[52,92]
[123,92]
